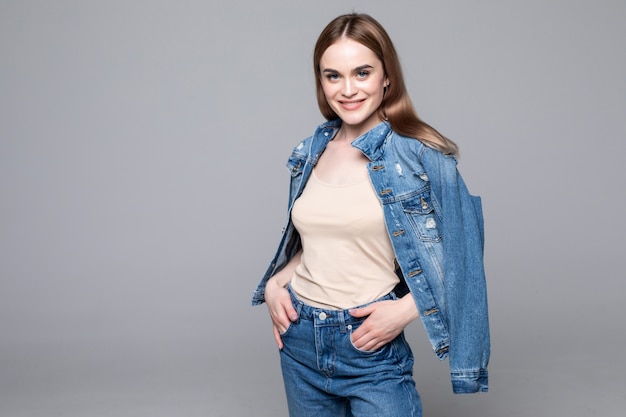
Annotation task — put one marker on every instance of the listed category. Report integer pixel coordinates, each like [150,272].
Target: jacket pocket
[421,215]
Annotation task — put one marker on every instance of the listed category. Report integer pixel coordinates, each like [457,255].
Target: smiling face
[353,81]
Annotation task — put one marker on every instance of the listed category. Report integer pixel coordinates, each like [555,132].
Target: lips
[352,104]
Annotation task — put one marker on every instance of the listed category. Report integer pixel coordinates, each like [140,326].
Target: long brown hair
[396,106]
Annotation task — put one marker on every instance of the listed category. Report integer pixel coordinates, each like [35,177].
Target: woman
[381,230]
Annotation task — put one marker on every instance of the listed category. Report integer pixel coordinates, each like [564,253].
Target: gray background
[143,189]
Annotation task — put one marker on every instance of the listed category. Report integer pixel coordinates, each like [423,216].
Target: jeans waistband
[330,317]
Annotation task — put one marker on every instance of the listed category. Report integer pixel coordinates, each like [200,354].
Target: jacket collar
[370,143]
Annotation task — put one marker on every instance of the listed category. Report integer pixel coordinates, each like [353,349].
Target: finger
[281,316]
[290,311]
[279,341]
[281,323]
[373,344]
[362,311]
[360,338]
[377,345]
[361,334]
[368,346]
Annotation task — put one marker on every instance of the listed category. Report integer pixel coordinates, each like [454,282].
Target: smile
[352,105]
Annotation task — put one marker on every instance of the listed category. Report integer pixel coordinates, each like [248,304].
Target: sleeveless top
[347,258]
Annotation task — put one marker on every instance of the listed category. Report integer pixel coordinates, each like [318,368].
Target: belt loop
[297,304]
[342,321]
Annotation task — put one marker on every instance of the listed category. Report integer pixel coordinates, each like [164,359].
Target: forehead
[347,54]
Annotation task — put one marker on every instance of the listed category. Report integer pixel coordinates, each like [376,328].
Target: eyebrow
[357,69]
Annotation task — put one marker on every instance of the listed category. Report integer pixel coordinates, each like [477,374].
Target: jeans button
[322,316]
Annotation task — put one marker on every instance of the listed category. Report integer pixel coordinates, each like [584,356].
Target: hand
[387,319]
[280,308]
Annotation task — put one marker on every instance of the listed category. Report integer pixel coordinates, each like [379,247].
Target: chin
[356,121]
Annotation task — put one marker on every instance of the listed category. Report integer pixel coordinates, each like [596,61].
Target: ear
[385,86]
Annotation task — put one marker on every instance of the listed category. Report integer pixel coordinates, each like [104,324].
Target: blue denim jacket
[436,230]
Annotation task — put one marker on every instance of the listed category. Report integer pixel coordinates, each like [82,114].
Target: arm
[278,300]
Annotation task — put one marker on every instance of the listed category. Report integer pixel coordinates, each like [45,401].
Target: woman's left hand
[386,320]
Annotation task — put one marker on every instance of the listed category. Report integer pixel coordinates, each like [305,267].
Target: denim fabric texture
[437,232]
[326,375]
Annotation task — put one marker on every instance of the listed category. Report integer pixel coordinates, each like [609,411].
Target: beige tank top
[347,258]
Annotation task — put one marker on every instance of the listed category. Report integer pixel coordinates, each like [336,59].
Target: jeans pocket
[352,328]
[288,329]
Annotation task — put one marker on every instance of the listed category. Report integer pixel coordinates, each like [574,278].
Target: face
[353,81]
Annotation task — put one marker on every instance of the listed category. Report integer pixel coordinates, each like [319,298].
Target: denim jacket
[436,230]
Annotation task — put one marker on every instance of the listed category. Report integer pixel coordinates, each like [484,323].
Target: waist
[330,317]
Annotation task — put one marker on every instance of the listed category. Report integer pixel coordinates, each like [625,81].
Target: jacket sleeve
[462,231]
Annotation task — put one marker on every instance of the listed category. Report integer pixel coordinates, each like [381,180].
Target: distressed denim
[436,229]
[326,375]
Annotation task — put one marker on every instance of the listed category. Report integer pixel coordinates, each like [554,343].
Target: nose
[349,88]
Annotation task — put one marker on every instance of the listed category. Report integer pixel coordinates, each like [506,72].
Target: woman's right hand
[280,307]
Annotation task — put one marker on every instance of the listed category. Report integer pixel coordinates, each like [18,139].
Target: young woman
[381,230]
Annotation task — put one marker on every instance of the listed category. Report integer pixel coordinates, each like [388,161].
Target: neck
[349,133]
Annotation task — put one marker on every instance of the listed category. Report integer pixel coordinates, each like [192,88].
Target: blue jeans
[326,375]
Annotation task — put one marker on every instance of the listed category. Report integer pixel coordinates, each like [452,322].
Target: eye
[332,76]
[362,74]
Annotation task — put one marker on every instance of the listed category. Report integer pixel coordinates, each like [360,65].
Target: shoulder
[416,150]
[411,146]
[323,133]
[309,149]
[406,142]
[422,145]
[313,145]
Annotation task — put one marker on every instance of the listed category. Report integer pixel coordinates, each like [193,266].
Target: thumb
[362,311]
